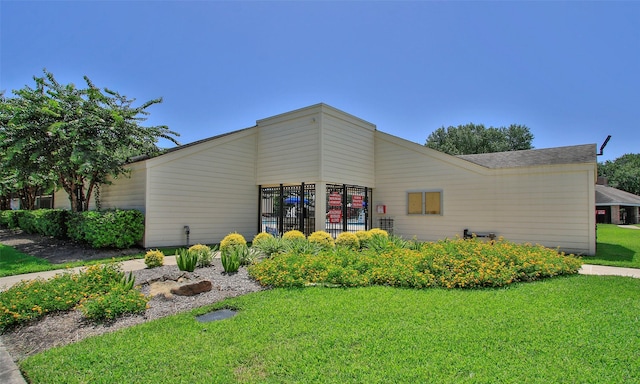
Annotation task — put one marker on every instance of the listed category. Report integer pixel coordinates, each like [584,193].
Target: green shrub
[348,240]
[262,236]
[8,219]
[448,264]
[322,239]
[293,235]
[51,222]
[154,258]
[231,258]
[269,245]
[378,231]
[186,260]
[26,221]
[204,254]
[379,243]
[363,237]
[113,304]
[232,240]
[107,229]
[45,222]
[301,246]
[33,299]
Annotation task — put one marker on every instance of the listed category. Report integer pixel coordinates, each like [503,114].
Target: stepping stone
[220,314]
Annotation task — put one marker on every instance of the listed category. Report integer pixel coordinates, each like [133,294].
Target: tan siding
[348,152]
[288,151]
[212,189]
[547,205]
[126,192]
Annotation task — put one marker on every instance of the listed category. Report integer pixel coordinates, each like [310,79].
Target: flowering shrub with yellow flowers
[154,258]
[232,240]
[456,263]
[99,291]
[322,239]
[348,239]
[293,235]
[261,237]
[204,254]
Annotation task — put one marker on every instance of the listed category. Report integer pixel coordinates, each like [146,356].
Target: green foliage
[623,173]
[269,245]
[45,222]
[322,239]
[260,237]
[78,137]
[8,219]
[533,333]
[363,237]
[301,246]
[186,260]
[471,139]
[113,304]
[293,235]
[378,232]
[154,258]
[348,240]
[448,264]
[29,300]
[204,254]
[127,281]
[102,229]
[231,257]
[232,240]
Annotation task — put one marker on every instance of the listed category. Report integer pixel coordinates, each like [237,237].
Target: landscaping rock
[192,289]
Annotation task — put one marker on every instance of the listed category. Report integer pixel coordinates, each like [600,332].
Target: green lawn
[13,262]
[575,329]
[616,246]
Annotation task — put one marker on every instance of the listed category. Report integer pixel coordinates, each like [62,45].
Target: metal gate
[347,208]
[287,207]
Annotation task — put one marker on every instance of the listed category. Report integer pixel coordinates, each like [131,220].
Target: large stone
[162,288]
[192,289]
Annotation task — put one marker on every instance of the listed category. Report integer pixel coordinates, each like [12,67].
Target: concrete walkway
[127,266]
[10,374]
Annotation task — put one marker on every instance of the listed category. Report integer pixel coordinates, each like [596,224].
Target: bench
[468,234]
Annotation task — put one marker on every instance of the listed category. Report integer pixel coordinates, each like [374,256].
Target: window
[424,203]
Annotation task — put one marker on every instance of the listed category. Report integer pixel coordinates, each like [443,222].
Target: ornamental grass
[448,264]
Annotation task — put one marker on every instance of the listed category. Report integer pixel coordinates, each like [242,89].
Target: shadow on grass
[613,252]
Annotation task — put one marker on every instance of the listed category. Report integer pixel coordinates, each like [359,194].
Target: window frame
[411,202]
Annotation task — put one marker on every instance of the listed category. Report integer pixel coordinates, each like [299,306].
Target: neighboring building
[614,206]
[318,168]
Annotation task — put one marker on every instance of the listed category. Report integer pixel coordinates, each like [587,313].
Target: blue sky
[570,71]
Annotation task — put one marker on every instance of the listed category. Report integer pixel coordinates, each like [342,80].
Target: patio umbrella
[294,200]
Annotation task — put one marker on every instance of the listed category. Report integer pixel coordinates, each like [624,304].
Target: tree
[25,169]
[623,173]
[81,138]
[471,139]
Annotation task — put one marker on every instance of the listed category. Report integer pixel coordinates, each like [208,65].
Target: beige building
[320,168]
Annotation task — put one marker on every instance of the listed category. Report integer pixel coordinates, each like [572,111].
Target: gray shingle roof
[611,196]
[575,154]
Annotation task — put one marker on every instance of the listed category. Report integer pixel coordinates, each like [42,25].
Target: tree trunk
[28,198]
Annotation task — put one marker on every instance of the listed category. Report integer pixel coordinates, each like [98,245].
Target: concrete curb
[9,371]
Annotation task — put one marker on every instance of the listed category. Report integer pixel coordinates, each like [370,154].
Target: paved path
[10,374]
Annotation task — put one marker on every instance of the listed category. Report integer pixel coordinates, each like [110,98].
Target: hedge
[107,229]
[100,229]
